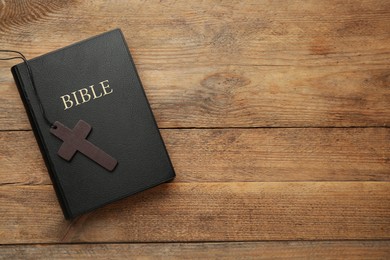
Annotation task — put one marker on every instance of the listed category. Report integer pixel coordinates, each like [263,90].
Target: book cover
[92,91]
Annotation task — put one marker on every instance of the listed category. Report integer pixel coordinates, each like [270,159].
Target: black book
[109,146]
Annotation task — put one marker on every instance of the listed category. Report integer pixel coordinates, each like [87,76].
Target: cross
[75,140]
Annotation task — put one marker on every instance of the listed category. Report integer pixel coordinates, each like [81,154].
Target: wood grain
[205,212]
[232,96]
[205,65]
[221,155]
[255,100]
[210,32]
[227,250]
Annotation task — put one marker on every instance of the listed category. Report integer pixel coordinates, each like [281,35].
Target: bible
[104,143]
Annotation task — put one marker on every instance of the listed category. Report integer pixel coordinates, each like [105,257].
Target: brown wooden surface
[275,113]
[236,250]
[238,155]
[234,211]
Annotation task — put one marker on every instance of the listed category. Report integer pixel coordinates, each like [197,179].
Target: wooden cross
[75,140]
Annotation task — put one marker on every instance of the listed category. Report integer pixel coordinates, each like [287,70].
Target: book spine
[38,136]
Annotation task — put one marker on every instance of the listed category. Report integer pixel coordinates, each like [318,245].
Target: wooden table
[276,116]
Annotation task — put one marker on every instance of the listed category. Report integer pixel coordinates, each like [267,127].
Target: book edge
[122,197]
[69,46]
[147,101]
[38,136]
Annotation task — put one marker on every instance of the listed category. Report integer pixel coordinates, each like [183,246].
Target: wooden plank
[210,32]
[229,250]
[243,155]
[232,96]
[215,64]
[205,212]
[203,65]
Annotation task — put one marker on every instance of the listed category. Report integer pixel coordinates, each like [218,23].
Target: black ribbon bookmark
[21,56]
[73,140]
